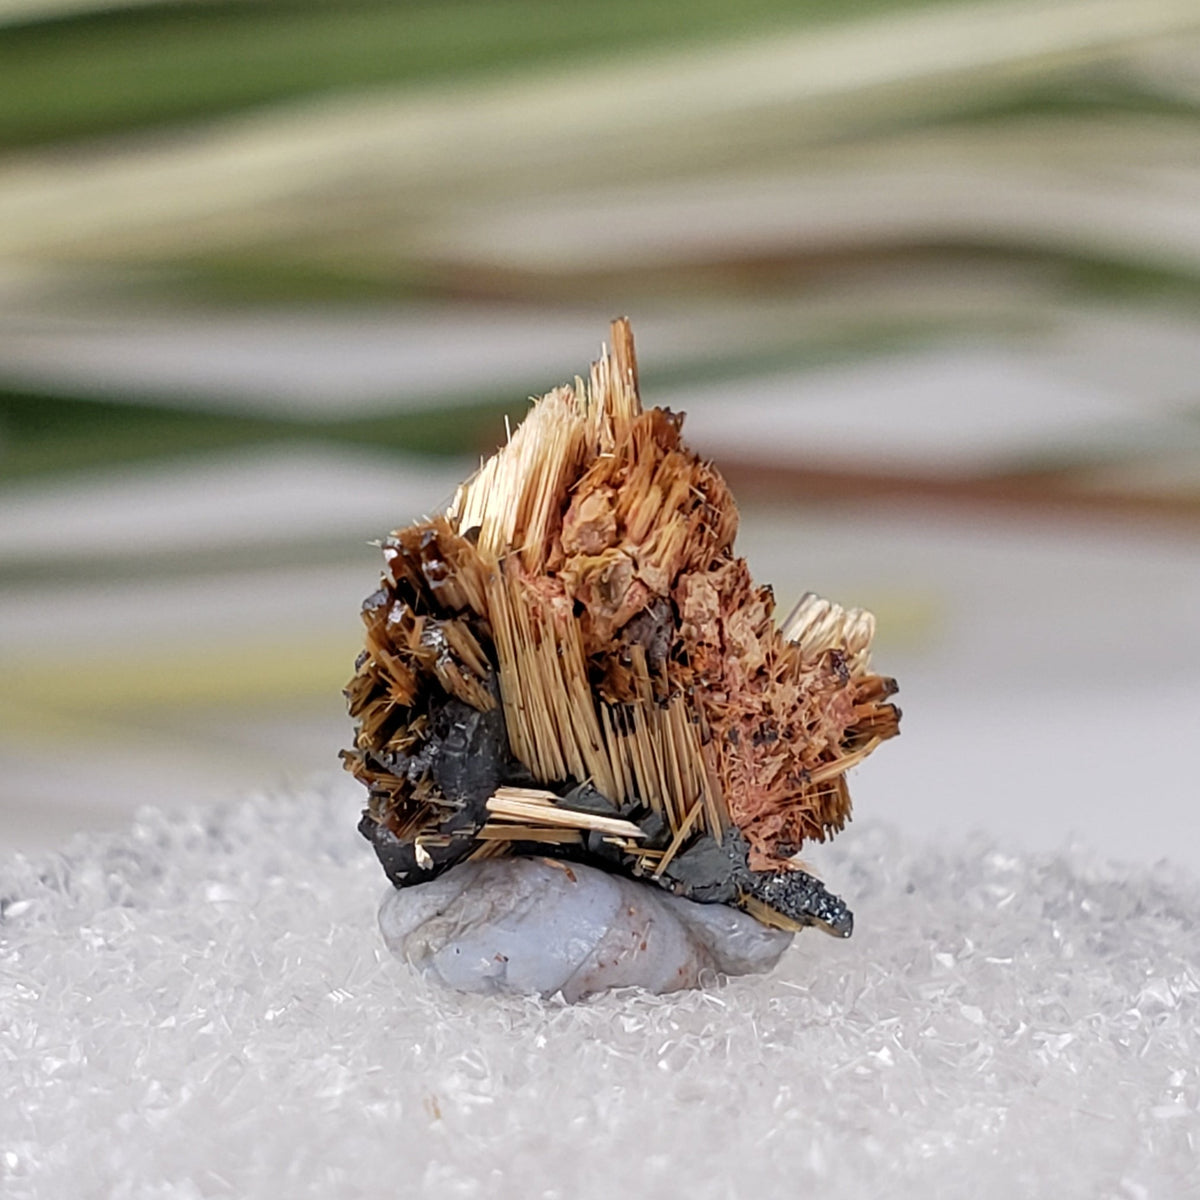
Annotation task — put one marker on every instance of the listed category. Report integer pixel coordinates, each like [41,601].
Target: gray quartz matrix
[526,925]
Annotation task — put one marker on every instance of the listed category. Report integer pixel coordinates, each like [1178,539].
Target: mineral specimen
[572,663]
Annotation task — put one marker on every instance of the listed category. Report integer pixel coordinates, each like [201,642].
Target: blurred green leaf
[55,433]
[41,433]
[111,71]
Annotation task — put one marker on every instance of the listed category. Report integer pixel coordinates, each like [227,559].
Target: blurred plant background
[925,277]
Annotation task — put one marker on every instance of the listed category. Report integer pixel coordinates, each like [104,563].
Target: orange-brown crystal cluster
[584,584]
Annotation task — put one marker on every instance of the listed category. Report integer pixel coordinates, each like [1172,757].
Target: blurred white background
[924,277]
